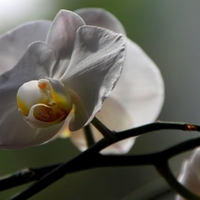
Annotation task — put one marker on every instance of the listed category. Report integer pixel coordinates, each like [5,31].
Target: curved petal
[77,138]
[35,64]
[144,96]
[95,67]
[102,18]
[140,102]
[137,99]
[61,37]
[17,134]
[115,117]
[15,42]
[190,174]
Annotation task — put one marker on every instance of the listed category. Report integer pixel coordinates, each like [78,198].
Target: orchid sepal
[139,94]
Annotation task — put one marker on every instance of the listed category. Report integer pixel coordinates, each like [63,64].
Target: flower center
[43,103]
[50,114]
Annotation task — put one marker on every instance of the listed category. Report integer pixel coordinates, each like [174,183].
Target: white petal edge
[15,42]
[35,64]
[137,64]
[138,97]
[140,89]
[62,32]
[94,69]
[61,37]
[139,71]
[190,174]
[101,18]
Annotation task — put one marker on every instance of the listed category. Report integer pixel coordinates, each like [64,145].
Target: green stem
[108,134]
[88,135]
[33,174]
[163,169]
[62,170]
[85,158]
[25,176]
[155,127]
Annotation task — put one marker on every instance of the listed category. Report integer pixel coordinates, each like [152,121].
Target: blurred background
[169,32]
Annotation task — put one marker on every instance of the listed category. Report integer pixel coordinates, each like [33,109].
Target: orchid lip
[49,113]
[49,103]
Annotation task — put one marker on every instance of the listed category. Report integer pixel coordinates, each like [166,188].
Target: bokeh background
[169,32]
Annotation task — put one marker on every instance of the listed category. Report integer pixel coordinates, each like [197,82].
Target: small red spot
[42,85]
[190,127]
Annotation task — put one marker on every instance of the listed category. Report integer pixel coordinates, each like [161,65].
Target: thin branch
[80,161]
[163,169]
[88,135]
[62,170]
[24,176]
[31,174]
[108,134]
[155,127]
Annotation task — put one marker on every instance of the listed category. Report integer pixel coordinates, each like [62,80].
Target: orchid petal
[78,139]
[61,37]
[35,64]
[137,99]
[102,18]
[140,89]
[190,174]
[95,67]
[139,94]
[139,72]
[79,114]
[115,117]
[140,83]
[15,42]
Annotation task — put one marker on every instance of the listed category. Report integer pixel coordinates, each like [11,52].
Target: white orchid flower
[190,174]
[63,77]
[138,96]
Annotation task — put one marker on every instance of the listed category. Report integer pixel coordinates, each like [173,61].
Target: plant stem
[88,135]
[62,170]
[24,176]
[155,127]
[164,170]
[108,134]
[86,159]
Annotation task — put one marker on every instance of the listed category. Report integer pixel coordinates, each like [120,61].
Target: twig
[24,176]
[88,156]
[163,169]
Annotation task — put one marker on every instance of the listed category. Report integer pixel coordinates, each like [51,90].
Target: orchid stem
[33,174]
[159,125]
[108,134]
[62,170]
[89,136]
[163,169]
[24,176]
[91,158]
